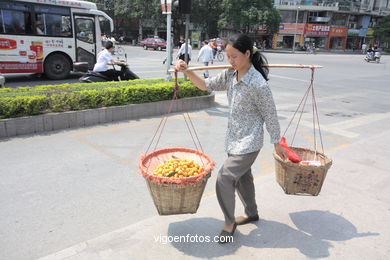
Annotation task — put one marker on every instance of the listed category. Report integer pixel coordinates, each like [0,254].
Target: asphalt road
[145,63]
[62,188]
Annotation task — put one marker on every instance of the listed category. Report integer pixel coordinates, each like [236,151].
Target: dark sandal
[225,236]
[242,221]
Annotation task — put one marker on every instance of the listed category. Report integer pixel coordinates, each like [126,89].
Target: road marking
[334,130]
[320,100]
[284,77]
[359,121]
[82,136]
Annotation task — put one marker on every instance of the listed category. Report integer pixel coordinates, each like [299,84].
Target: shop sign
[338,31]
[291,28]
[353,32]
[363,32]
[317,29]
[370,32]
[366,21]
[260,29]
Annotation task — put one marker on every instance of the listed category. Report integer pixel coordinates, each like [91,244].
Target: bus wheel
[57,66]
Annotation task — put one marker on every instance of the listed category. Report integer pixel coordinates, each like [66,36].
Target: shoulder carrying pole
[294,66]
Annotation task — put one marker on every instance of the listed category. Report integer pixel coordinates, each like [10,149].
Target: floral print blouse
[251,105]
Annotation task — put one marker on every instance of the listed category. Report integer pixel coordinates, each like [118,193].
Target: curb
[75,119]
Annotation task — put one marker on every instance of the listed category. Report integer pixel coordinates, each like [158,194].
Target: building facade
[343,24]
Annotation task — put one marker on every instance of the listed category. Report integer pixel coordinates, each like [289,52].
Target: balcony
[318,7]
[318,19]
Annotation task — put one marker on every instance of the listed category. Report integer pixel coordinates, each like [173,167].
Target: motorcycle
[373,56]
[92,76]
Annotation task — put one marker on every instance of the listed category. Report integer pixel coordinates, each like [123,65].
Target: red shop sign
[339,31]
[317,29]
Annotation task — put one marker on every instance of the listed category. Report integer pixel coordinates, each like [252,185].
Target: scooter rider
[104,59]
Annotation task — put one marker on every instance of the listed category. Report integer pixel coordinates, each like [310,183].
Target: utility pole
[185,8]
[166,6]
[186,42]
[296,29]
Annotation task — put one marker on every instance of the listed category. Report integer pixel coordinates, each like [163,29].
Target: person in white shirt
[104,59]
[40,28]
[206,53]
[180,54]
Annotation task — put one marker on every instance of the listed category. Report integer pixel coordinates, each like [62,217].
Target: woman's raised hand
[181,65]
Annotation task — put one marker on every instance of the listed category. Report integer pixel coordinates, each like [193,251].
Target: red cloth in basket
[292,156]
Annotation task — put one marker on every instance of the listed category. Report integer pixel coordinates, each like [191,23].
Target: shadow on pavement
[311,237]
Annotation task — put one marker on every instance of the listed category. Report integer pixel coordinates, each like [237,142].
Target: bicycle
[311,50]
[220,56]
[119,50]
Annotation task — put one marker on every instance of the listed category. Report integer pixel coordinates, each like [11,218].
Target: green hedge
[27,101]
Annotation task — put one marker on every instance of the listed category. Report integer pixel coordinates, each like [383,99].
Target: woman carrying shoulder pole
[251,106]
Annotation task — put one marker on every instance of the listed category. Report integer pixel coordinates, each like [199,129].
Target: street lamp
[296,29]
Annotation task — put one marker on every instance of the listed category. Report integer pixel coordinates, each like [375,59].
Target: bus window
[66,27]
[52,21]
[85,30]
[14,22]
[104,26]
[40,26]
[1,22]
[15,18]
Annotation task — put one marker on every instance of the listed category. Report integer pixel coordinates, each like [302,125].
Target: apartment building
[334,24]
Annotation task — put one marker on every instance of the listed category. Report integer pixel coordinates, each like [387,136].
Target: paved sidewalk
[348,220]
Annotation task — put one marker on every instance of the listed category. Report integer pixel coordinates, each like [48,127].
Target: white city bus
[48,36]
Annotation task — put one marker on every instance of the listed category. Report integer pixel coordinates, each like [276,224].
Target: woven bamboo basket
[297,179]
[175,195]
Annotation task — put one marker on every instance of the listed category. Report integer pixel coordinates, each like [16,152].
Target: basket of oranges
[176,178]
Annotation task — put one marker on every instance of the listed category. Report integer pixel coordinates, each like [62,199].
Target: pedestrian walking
[214,46]
[206,53]
[181,52]
[364,48]
[251,106]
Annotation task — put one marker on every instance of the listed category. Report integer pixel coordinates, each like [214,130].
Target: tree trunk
[140,37]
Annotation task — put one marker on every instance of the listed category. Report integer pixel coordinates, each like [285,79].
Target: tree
[145,11]
[382,30]
[205,14]
[247,15]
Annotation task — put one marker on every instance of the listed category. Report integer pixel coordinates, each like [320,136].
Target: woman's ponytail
[260,63]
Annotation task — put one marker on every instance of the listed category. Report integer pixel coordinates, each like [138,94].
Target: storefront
[317,34]
[285,37]
[370,40]
[353,40]
[337,38]
[260,37]
[356,37]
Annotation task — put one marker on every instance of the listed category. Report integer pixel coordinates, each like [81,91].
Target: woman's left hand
[181,66]
[280,151]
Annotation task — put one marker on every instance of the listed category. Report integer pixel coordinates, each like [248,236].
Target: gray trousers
[206,72]
[234,174]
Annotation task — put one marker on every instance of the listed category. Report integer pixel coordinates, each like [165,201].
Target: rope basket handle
[187,119]
[316,121]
